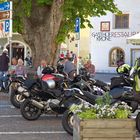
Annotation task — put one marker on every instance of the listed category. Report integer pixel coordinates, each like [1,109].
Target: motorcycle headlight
[21,89]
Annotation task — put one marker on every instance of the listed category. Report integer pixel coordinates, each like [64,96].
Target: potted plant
[103,121]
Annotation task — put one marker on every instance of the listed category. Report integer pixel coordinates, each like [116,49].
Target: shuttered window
[122,21]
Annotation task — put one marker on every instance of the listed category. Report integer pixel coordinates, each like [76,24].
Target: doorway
[116,57]
[17,50]
[18,53]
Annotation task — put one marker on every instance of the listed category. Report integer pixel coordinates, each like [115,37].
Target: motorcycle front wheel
[16,98]
[67,122]
[29,111]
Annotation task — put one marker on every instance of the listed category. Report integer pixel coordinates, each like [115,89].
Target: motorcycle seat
[29,83]
[118,92]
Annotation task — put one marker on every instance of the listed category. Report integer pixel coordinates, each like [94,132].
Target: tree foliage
[70,9]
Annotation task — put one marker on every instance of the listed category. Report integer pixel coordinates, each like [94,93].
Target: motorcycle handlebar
[75,89]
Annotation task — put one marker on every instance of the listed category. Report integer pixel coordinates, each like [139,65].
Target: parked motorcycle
[44,98]
[101,86]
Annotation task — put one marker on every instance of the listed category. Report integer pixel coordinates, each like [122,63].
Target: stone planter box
[104,129]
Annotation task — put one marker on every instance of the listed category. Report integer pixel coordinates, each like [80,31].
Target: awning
[135,39]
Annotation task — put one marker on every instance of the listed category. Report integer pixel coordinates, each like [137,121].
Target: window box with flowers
[103,122]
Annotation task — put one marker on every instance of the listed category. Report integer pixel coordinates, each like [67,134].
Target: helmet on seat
[48,70]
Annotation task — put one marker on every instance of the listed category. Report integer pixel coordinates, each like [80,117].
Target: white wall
[84,43]
[100,49]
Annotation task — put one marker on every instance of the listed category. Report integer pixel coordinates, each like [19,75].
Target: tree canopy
[45,24]
[70,9]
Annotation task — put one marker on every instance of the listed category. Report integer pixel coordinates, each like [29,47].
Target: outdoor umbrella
[135,39]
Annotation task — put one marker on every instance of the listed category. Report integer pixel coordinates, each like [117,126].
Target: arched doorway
[116,56]
[19,49]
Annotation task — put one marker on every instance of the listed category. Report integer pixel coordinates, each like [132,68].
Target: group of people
[70,66]
[64,64]
[69,54]
[71,57]
[16,68]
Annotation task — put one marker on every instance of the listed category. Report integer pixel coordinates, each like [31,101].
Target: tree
[44,24]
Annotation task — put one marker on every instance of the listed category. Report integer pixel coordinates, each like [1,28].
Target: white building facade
[108,45]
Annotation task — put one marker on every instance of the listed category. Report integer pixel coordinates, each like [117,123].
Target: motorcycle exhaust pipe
[26,94]
[37,104]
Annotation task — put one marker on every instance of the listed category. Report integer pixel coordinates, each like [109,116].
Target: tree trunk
[41,29]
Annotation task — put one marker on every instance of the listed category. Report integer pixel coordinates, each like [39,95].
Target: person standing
[4,61]
[72,56]
[69,68]
[29,59]
[67,54]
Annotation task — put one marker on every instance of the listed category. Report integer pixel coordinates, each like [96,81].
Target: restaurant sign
[107,36]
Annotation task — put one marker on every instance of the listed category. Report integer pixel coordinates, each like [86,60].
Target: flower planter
[104,129]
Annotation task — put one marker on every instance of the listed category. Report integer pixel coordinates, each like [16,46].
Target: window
[122,21]
[116,57]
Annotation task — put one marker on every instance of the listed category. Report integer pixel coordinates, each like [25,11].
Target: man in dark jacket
[4,61]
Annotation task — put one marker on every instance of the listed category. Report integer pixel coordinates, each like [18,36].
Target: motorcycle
[101,86]
[44,98]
